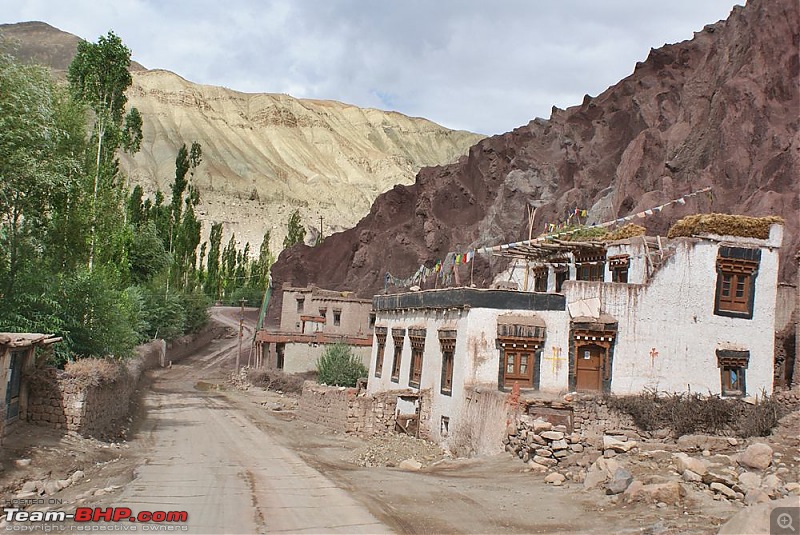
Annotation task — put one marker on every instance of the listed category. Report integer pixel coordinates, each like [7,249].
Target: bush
[339,367]
[195,305]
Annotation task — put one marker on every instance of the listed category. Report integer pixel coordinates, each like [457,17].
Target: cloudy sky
[478,65]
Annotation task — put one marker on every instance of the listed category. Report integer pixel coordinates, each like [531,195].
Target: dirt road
[204,457]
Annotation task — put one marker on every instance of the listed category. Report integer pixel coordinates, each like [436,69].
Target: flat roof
[470,298]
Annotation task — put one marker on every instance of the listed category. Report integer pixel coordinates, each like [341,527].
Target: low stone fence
[350,410]
[100,408]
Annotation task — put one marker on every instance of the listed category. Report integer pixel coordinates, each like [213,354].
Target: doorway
[589,362]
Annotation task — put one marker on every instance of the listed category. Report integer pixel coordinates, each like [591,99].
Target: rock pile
[541,444]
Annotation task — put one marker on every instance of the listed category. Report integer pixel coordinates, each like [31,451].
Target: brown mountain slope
[719,110]
[264,155]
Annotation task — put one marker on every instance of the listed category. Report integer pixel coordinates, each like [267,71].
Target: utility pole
[320,229]
[241,334]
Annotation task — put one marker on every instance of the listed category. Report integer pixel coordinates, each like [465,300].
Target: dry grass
[724,225]
[685,414]
[630,230]
[270,379]
[94,371]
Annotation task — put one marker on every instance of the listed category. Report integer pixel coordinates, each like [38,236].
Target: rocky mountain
[719,110]
[264,155]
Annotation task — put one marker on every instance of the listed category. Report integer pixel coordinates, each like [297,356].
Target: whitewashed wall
[674,314]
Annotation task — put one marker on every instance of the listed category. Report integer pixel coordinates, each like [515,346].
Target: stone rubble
[723,468]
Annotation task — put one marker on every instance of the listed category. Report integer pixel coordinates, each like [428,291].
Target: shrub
[339,367]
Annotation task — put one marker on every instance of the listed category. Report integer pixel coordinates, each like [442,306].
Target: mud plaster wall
[60,401]
[302,357]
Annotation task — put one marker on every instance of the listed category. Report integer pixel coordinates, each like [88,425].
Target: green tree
[338,366]
[99,76]
[296,232]
[213,276]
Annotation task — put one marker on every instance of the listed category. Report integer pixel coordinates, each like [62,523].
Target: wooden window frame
[731,360]
[380,336]
[540,279]
[416,337]
[301,304]
[447,342]
[618,265]
[525,380]
[735,292]
[562,276]
[337,317]
[590,266]
[726,387]
[398,335]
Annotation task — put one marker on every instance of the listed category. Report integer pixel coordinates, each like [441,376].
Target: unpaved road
[237,467]
[204,457]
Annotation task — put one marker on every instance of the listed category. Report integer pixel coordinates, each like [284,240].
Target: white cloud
[482,66]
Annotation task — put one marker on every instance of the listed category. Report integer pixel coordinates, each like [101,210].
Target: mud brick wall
[327,406]
[347,410]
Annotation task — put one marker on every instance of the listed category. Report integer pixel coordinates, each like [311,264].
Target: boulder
[691,477]
[546,461]
[771,482]
[749,480]
[757,456]
[560,454]
[555,478]
[50,487]
[719,477]
[755,496]
[684,462]
[559,445]
[792,488]
[511,430]
[576,448]
[540,426]
[536,467]
[552,435]
[594,479]
[30,486]
[620,481]
[411,465]
[669,493]
[77,476]
[544,452]
[616,445]
[756,518]
[725,490]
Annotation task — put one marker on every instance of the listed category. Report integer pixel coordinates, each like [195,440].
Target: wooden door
[589,367]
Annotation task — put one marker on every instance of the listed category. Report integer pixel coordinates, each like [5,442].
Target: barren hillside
[264,155]
[720,110]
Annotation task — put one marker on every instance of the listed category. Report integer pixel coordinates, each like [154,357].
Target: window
[519,339]
[380,336]
[447,341]
[732,381]
[518,367]
[447,372]
[590,265]
[337,317]
[540,279]
[736,273]
[323,312]
[619,268]
[417,338]
[372,321]
[732,365]
[562,274]
[300,302]
[397,335]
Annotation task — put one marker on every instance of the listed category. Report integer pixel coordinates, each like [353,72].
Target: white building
[687,314]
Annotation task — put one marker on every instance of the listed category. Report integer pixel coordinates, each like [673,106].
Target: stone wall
[86,407]
[350,410]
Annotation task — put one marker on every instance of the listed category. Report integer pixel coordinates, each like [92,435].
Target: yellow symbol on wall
[653,355]
[556,359]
